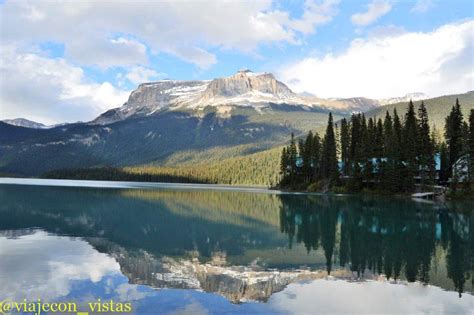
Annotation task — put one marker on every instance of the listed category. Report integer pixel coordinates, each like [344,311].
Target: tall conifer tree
[329,168]
[453,133]
[471,147]
[425,147]
[410,147]
[345,146]
[292,155]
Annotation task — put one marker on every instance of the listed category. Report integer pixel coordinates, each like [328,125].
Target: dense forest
[255,169]
[392,154]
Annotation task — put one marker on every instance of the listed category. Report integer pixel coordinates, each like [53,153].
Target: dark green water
[130,238]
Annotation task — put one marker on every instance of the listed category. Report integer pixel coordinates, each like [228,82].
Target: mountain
[180,123]
[22,122]
[174,123]
[244,89]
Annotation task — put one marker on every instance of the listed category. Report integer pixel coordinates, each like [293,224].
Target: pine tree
[366,150]
[329,168]
[370,140]
[399,166]
[410,147]
[471,147]
[453,133]
[292,155]
[316,155]
[355,171]
[379,139]
[387,168]
[425,147]
[345,146]
[378,149]
[306,156]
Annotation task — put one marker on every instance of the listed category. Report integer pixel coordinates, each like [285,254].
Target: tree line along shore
[392,154]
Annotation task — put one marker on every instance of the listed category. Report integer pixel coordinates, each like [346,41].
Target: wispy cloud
[421,6]
[375,10]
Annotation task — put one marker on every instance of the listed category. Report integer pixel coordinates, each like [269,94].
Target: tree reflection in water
[396,238]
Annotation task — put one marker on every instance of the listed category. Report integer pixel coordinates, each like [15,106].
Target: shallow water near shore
[168,248]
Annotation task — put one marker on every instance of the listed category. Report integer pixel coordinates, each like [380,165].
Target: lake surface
[174,249]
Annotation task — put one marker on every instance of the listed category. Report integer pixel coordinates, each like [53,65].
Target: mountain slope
[174,122]
[438,108]
[169,137]
[170,123]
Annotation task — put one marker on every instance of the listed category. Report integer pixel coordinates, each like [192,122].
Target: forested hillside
[438,108]
[255,169]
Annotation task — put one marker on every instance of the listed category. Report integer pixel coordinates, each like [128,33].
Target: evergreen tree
[387,168]
[453,133]
[410,147]
[345,146]
[306,156]
[379,139]
[471,147]
[355,171]
[329,168]
[399,166]
[316,155]
[425,147]
[366,149]
[292,155]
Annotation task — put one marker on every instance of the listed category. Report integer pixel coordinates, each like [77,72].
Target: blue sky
[69,61]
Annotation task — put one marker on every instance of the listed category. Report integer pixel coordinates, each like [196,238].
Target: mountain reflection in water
[190,239]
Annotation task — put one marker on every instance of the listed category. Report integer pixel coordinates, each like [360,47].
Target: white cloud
[186,29]
[107,53]
[58,262]
[50,90]
[375,10]
[367,297]
[436,63]
[139,74]
[421,6]
[315,15]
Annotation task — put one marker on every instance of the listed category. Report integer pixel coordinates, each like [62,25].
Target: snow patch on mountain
[244,88]
[417,96]
[22,122]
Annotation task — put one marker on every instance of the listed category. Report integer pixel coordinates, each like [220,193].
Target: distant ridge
[22,122]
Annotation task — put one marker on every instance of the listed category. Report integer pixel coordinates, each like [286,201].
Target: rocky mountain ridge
[242,89]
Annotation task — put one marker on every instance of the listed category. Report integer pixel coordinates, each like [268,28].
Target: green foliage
[471,146]
[382,155]
[329,167]
[454,133]
[255,169]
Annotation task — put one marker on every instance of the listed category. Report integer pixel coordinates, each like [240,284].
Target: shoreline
[83,183]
